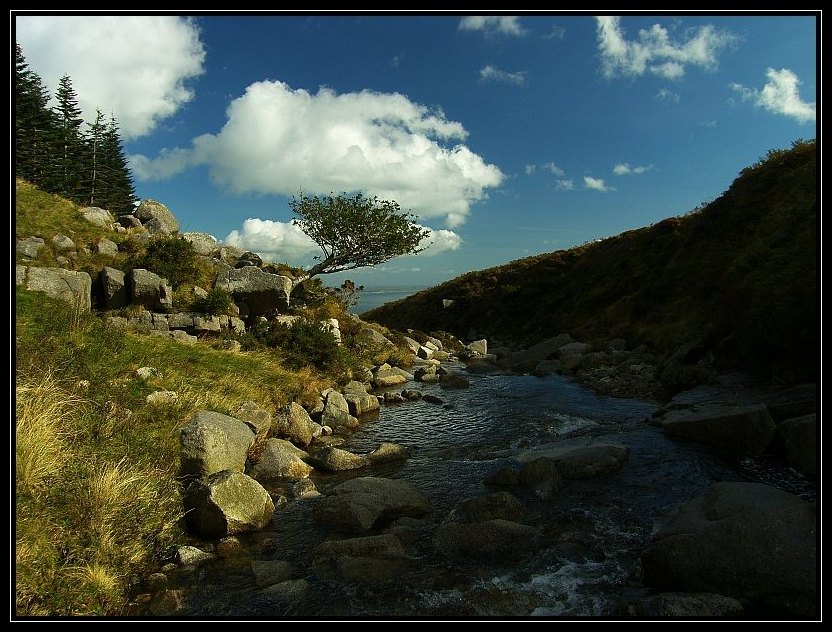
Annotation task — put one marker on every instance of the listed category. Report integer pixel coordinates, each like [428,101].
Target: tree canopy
[356,231]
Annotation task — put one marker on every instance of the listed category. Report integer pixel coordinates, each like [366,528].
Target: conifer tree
[34,123]
[68,143]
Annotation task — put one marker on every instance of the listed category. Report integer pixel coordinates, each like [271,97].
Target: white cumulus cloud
[655,51]
[780,95]
[135,66]
[280,140]
[596,184]
[625,169]
[439,241]
[490,73]
[493,25]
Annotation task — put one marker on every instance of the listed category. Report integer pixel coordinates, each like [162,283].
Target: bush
[172,258]
[217,302]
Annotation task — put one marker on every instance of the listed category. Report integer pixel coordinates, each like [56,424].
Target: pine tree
[34,124]
[68,144]
[94,142]
[116,192]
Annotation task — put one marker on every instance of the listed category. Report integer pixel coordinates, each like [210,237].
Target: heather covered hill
[735,278]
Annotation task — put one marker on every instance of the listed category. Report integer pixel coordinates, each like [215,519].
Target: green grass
[97,496]
[737,274]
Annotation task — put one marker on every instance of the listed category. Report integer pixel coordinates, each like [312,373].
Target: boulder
[332,459]
[149,289]
[129,221]
[361,504]
[412,344]
[488,541]
[97,216]
[387,452]
[213,442]
[478,347]
[452,379]
[371,337]
[583,461]
[541,475]
[150,210]
[162,398]
[147,373]
[336,413]
[260,291]
[204,244]
[498,505]
[425,374]
[67,285]
[425,353]
[280,460]
[358,399]
[571,349]
[30,247]
[504,477]
[191,556]
[106,247]
[749,541]
[367,560]
[688,605]
[293,422]
[226,503]
[799,437]
[62,243]
[741,429]
[268,572]
[256,418]
[387,375]
[249,258]
[113,288]
[290,591]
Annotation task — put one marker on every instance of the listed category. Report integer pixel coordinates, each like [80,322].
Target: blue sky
[507,135]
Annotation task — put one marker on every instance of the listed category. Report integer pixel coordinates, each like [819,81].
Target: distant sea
[373,297]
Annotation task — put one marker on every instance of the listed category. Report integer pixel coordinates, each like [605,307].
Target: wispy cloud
[667,95]
[780,95]
[596,184]
[491,73]
[135,66]
[557,32]
[551,167]
[278,139]
[493,25]
[566,184]
[625,169]
[655,51]
[710,123]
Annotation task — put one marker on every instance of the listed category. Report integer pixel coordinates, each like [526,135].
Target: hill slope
[736,278]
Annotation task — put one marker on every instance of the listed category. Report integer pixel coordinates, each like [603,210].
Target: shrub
[218,301]
[173,258]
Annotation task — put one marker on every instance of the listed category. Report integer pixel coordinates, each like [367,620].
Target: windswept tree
[356,231]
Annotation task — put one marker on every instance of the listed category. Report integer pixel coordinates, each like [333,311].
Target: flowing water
[593,532]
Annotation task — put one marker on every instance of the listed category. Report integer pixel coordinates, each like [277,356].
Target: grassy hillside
[737,275]
[97,500]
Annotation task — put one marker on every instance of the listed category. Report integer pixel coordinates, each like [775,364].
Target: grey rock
[386,375]
[249,258]
[332,459]
[113,287]
[497,505]
[106,247]
[583,461]
[749,541]
[363,503]
[97,216]
[256,418]
[336,412]
[149,289]
[204,244]
[268,572]
[478,347]
[505,476]
[489,541]
[62,243]
[571,349]
[67,285]
[387,452]
[262,292]
[373,338]
[280,460]
[425,374]
[358,399]
[156,217]
[190,555]
[292,590]
[425,353]
[30,247]
[294,423]
[452,379]
[412,344]
[129,221]
[162,398]
[742,429]
[212,442]
[226,503]
[367,560]
[799,436]
[147,372]
[541,475]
